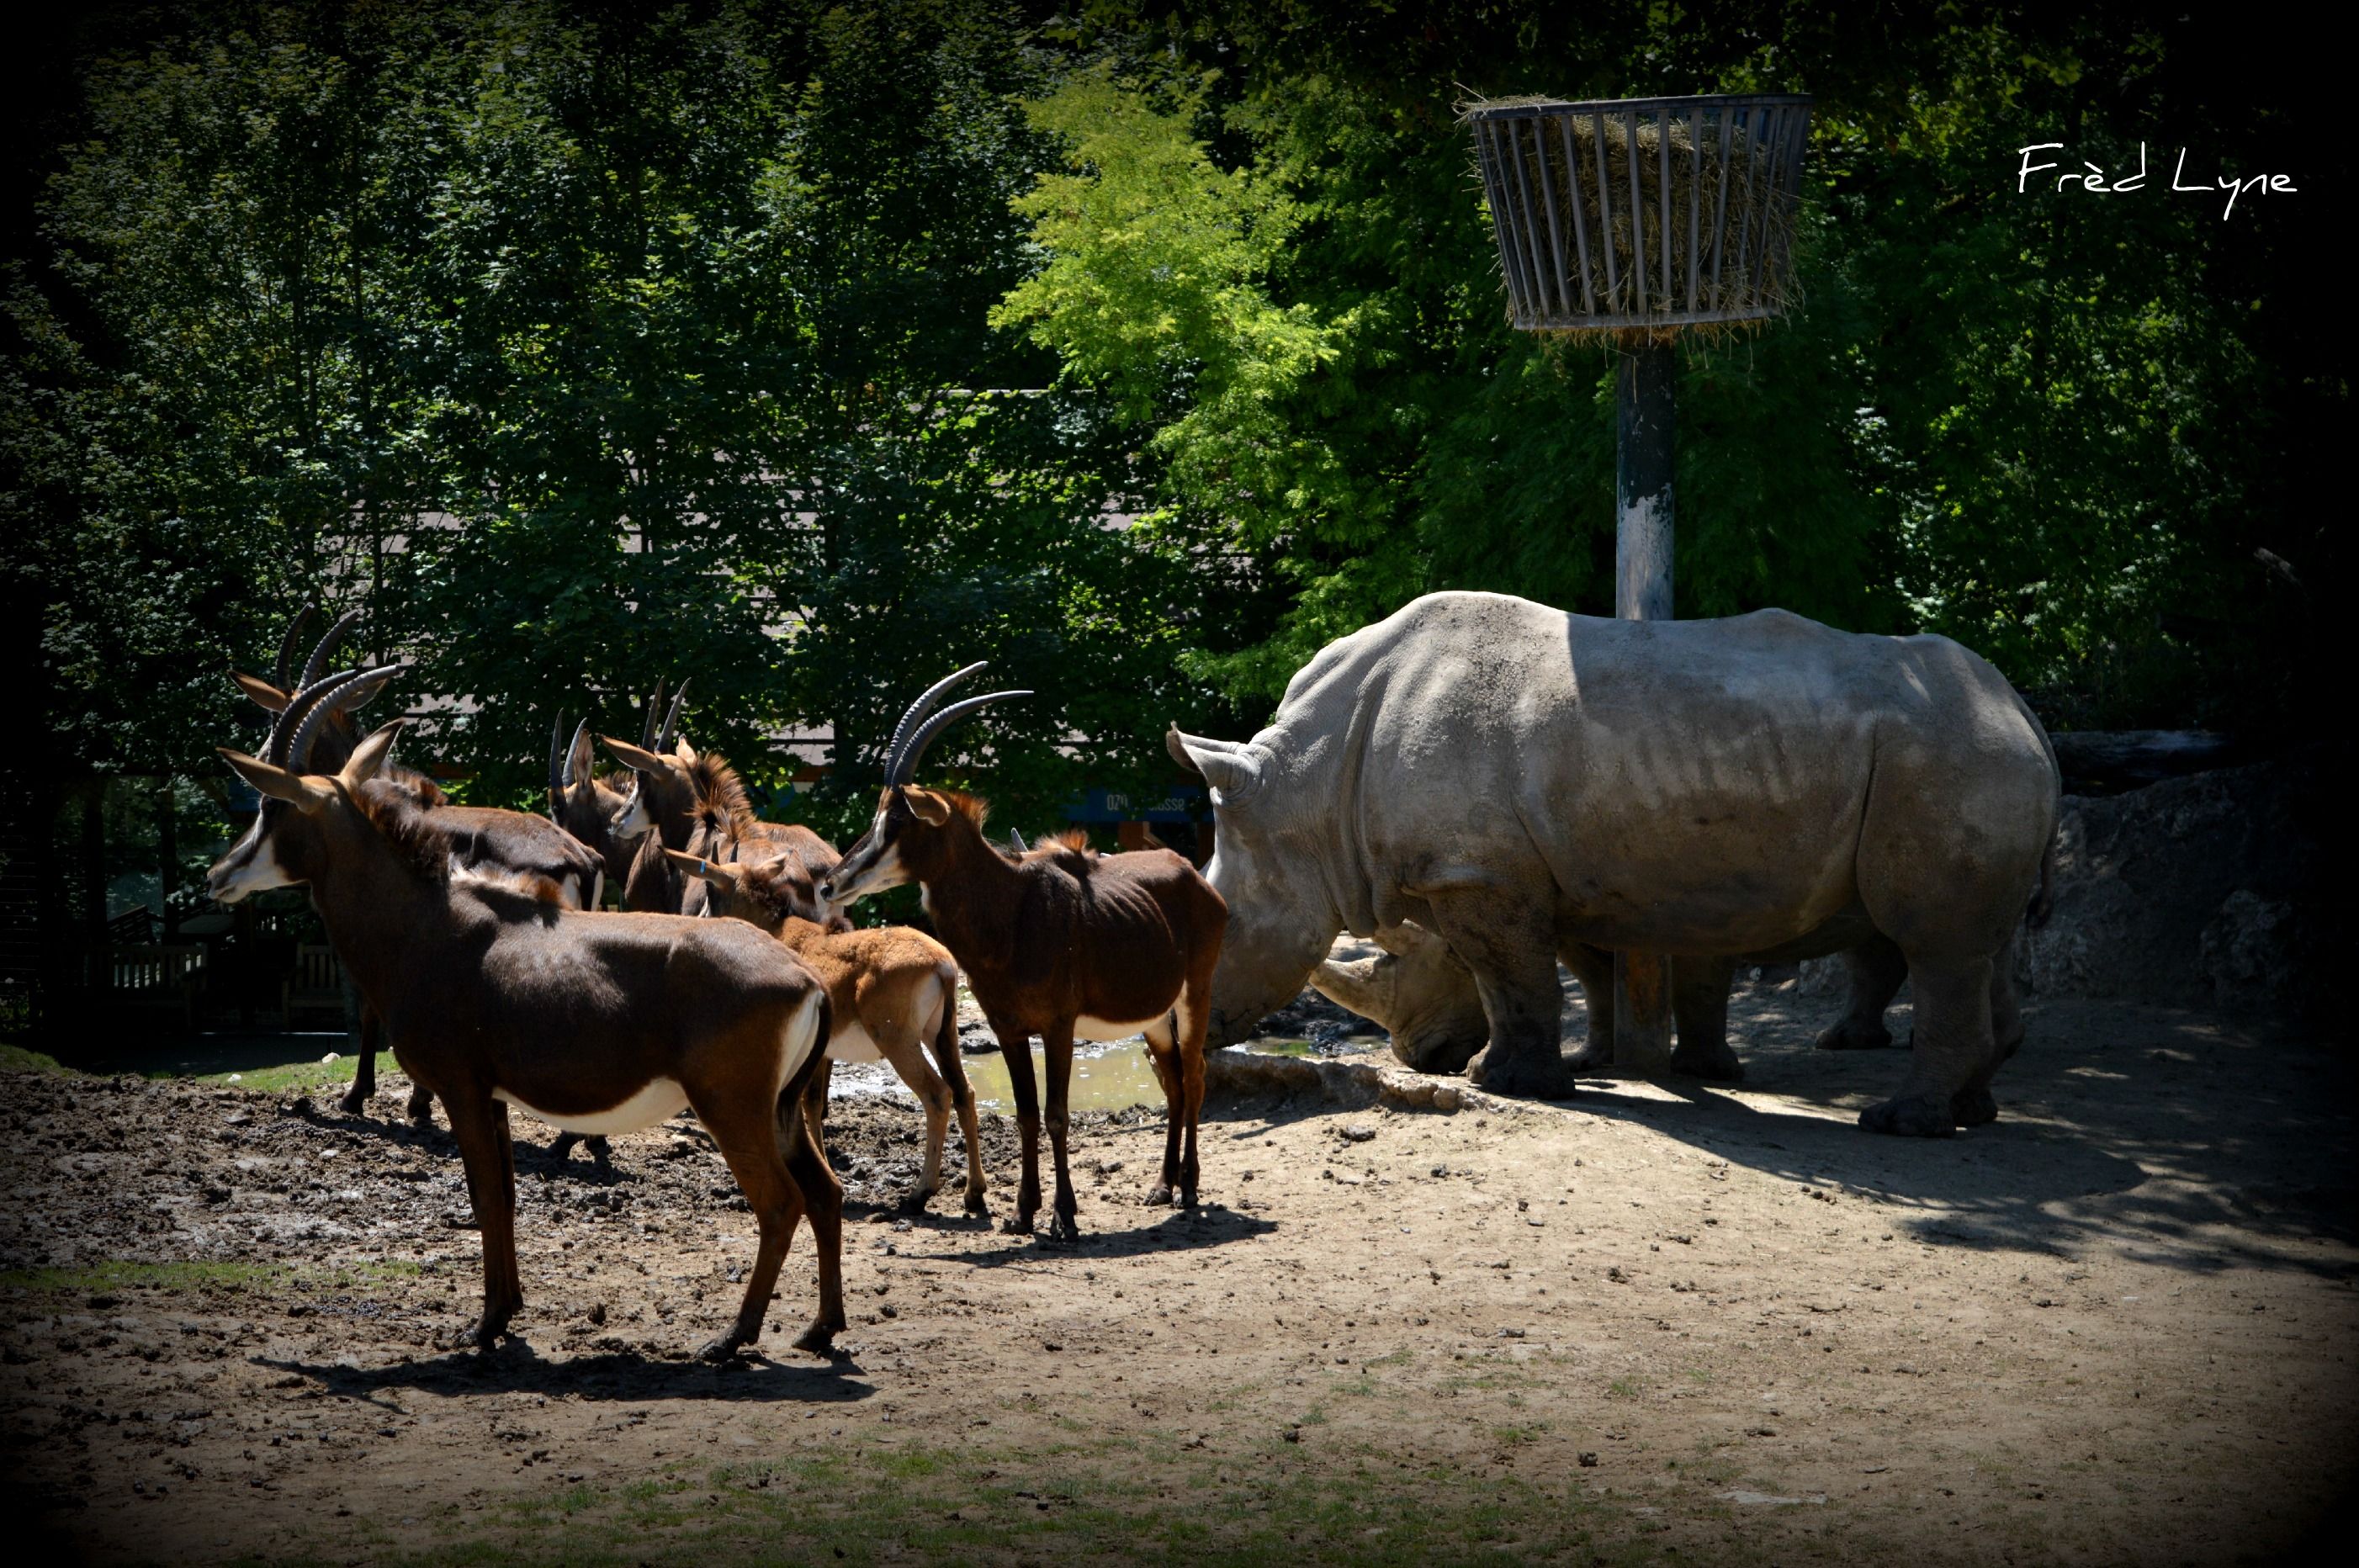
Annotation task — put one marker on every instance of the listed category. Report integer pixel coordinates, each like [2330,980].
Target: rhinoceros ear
[1234,770]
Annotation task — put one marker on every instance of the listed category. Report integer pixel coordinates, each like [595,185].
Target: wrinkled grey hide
[1525,784]
[1426,1001]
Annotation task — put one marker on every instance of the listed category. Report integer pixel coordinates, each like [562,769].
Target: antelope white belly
[1088,1028]
[851,1043]
[661,1097]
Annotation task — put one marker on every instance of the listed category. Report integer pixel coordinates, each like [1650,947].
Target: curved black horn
[317,664]
[349,693]
[281,676]
[565,780]
[672,720]
[556,753]
[916,749]
[916,716]
[290,717]
[647,720]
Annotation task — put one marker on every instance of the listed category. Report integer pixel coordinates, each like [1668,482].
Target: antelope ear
[698,866]
[928,806]
[265,696]
[277,782]
[684,751]
[370,757]
[582,760]
[1235,771]
[631,757]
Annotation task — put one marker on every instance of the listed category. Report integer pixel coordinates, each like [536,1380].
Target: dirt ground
[1658,1323]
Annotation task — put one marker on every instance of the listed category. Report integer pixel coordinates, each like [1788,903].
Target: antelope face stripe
[251,867]
[874,866]
[636,819]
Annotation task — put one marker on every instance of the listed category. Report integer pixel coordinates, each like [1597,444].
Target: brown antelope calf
[891,988]
[495,997]
[695,803]
[1056,943]
[482,837]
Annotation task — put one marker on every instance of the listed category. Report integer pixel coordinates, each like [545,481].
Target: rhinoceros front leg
[1954,1052]
[1509,944]
[1875,970]
[1700,1009]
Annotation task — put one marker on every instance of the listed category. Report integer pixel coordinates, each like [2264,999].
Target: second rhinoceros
[1523,783]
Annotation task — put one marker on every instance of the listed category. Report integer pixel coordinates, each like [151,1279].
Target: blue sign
[1180,803]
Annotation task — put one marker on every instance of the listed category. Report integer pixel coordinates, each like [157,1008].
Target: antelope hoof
[719,1348]
[1063,1228]
[974,1203]
[915,1202]
[353,1103]
[818,1339]
[1017,1224]
[1160,1198]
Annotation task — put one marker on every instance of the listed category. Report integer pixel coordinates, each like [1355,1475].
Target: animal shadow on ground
[618,1378]
[1179,1230]
[2180,1137]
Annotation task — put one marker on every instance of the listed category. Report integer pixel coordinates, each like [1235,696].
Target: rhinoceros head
[1281,920]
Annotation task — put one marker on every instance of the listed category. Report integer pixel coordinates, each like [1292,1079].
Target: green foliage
[584,348]
[2041,425]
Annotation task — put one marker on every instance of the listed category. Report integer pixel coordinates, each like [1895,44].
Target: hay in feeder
[1642,222]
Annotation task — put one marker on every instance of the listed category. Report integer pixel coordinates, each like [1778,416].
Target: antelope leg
[824,1197]
[1015,1049]
[1057,1046]
[480,1125]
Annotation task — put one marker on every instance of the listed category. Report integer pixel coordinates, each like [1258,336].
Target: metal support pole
[1641,592]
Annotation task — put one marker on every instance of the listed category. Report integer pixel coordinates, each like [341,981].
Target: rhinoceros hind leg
[1593,967]
[1914,1115]
[1950,1062]
[1700,1009]
[1875,970]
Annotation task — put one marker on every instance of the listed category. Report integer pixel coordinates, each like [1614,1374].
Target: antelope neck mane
[408,828]
[719,793]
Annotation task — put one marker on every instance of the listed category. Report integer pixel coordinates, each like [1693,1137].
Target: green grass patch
[282,1079]
[115,1275]
[920,1502]
[17,1058]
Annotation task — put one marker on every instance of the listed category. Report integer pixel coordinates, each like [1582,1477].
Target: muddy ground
[1658,1323]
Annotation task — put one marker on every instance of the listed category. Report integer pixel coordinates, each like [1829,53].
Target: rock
[1588,1457]
[1445,1097]
[1357,1132]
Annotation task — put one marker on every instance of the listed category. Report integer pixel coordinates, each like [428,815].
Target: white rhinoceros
[1523,782]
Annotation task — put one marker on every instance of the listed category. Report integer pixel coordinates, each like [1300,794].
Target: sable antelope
[891,987]
[695,801]
[482,837]
[1056,943]
[495,995]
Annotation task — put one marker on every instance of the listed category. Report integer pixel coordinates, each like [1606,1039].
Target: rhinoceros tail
[2043,902]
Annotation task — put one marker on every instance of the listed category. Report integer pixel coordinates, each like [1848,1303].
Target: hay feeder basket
[1643,217]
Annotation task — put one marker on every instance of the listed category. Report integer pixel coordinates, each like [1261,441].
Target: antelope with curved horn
[482,837]
[469,971]
[691,801]
[1058,942]
[892,988]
